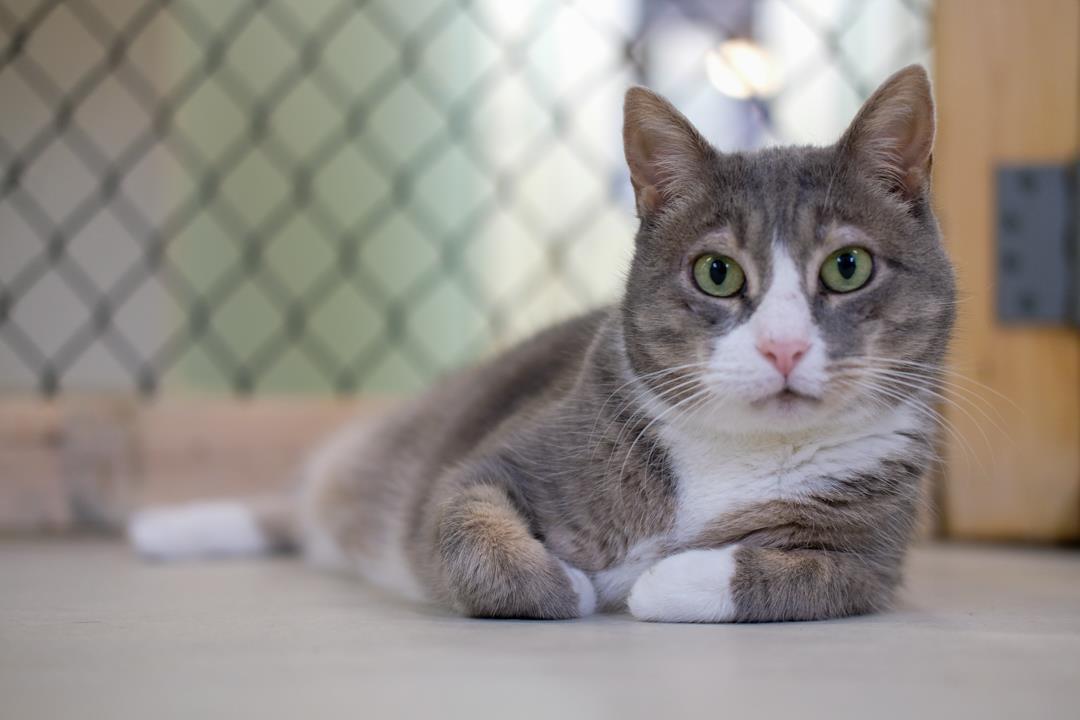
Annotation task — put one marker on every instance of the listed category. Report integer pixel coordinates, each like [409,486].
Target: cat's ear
[892,137]
[668,157]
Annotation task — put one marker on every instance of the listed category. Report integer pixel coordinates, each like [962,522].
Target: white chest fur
[720,474]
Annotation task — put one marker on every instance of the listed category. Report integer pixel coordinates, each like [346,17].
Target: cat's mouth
[787,398]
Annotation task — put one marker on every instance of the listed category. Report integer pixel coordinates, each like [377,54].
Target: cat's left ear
[892,137]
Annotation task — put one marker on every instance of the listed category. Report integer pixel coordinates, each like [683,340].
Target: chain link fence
[338,196]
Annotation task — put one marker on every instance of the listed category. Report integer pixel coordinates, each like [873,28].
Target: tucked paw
[691,586]
[583,587]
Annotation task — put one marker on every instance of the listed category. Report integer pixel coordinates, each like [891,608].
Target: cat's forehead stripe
[785,276]
[784,308]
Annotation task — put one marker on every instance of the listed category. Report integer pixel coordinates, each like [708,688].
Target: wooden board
[85,462]
[1007,87]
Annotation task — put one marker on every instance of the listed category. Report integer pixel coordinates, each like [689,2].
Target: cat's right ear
[667,156]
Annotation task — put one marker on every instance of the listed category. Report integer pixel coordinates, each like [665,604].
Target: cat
[741,437]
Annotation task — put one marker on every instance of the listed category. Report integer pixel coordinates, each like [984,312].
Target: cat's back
[461,409]
[472,404]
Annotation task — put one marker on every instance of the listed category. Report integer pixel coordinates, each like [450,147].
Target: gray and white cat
[740,438]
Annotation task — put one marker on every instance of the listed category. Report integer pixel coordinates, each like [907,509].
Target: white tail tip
[197,530]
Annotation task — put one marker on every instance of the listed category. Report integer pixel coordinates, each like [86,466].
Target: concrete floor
[86,631]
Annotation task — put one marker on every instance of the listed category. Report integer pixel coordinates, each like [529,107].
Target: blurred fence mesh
[326,196]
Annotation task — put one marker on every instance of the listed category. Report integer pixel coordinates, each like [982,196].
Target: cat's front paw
[691,586]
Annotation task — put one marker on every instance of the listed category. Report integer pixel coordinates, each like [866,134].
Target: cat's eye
[718,275]
[847,269]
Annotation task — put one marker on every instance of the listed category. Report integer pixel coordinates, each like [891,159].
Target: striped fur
[647,455]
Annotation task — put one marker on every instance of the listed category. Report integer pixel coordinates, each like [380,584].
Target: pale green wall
[445,327]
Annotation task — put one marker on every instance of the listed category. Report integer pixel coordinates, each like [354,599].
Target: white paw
[196,530]
[691,586]
[586,593]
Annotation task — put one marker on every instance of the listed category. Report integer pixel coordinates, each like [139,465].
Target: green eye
[718,275]
[847,269]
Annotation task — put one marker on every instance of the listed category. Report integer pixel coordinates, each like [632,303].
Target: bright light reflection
[742,69]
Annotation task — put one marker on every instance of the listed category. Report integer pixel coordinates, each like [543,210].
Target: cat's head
[788,288]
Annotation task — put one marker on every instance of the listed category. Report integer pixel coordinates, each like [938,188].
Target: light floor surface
[86,631]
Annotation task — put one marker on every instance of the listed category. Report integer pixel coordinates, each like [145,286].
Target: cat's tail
[212,529]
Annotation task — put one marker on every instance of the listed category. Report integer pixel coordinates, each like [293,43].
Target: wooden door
[1007,85]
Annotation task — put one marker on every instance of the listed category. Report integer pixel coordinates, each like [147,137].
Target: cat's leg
[739,583]
[492,566]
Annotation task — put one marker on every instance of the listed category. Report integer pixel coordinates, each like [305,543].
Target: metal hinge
[1038,244]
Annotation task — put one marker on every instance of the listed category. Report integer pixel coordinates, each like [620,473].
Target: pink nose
[783,354]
